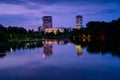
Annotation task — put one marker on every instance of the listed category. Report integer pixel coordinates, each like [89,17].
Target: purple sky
[29,13]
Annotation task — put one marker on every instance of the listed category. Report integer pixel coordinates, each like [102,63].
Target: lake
[59,60]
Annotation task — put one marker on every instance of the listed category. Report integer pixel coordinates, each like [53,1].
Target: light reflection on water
[57,60]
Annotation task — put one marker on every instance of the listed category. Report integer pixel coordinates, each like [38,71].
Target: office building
[47,22]
[78,22]
[54,30]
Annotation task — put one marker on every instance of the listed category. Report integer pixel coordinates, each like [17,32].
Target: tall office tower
[78,22]
[47,22]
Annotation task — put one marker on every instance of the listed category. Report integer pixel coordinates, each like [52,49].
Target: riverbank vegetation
[105,29]
[8,34]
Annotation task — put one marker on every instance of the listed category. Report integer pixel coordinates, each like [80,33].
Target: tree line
[13,33]
[106,29]
[98,30]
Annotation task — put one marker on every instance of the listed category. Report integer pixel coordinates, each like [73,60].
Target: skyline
[29,13]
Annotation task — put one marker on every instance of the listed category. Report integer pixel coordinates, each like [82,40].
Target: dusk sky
[29,13]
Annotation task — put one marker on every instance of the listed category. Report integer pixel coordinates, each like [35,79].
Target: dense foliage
[17,33]
[108,29]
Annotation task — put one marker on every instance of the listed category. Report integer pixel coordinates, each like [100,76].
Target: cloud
[55,7]
[12,9]
[11,1]
[50,2]
[73,1]
[20,20]
[109,11]
[29,12]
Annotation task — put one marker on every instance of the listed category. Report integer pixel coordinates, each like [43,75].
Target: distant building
[78,22]
[40,29]
[47,22]
[69,29]
[54,30]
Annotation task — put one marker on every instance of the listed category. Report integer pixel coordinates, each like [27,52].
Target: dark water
[58,60]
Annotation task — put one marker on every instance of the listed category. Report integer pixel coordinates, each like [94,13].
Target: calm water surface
[58,61]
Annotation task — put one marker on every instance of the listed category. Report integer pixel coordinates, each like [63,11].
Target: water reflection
[47,49]
[54,41]
[79,50]
[111,46]
[48,46]
[96,46]
[18,45]
[2,55]
[100,46]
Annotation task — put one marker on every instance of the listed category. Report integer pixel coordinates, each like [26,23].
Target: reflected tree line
[45,44]
[95,46]
[97,37]
[13,46]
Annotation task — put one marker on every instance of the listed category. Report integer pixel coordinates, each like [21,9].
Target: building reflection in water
[48,46]
[52,42]
[47,49]
[79,50]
